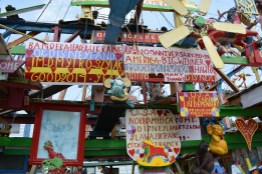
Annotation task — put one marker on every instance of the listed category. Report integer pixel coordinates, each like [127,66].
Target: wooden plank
[22,39]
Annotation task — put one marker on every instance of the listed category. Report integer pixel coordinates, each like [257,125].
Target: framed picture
[59,132]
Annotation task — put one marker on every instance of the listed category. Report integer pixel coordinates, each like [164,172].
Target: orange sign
[198,104]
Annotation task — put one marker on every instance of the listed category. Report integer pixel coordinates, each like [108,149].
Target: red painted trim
[81,139]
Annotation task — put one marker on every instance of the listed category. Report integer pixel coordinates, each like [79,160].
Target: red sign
[198,104]
[10,66]
[247,129]
[151,38]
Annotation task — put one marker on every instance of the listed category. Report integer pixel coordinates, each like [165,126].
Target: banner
[198,104]
[93,63]
[189,128]
[155,64]
[72,63]
[158,126]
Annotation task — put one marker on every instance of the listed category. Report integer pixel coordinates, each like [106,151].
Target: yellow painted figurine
[217,145]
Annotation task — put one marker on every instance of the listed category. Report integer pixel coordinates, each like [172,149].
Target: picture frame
[64,126]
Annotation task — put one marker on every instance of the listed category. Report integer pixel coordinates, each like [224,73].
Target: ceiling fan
[196,24]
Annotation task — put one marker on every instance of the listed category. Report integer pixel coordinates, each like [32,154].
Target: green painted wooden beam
[117,147]
[235,60]
[18,50]
[23,10]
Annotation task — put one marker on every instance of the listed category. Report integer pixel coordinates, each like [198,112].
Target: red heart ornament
[88,70]
[141,155]
[208,62]
[177,150]
[119,55]
[28,68]
[53,69]
[131,152]
[159,112]
[29,52]
[70,69]
[120,71]
[104,70]
[247,129]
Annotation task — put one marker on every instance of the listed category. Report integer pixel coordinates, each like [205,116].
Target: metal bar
[73,36]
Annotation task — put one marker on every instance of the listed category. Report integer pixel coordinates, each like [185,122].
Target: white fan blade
[229,27]
[204,6]
[213,54]
[169,38]
[177,6]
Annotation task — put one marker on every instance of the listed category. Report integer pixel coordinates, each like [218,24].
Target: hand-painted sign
[198,104]
[157,126]
[72,63]
[189,128]
[10,66]
[247,129]
[147,38]
[156,64]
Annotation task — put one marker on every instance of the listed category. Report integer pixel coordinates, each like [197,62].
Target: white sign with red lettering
[157,64]
[189,128]
[157,126]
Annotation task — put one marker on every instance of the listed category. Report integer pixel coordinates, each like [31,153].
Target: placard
[10,66]
[198,104]
[189,128]
[157,126]
[72,63]
[155,64]
[64,127]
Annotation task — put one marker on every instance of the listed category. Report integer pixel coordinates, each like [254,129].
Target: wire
[59,9]
[172,26]
[67,9]
[43,10]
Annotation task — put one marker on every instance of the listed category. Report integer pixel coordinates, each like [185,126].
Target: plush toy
[217,145]
[204,160]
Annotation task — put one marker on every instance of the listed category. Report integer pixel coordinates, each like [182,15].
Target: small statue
[217,145]
[118,88]
[204,160]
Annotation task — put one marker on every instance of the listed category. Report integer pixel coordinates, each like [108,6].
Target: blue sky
[56,10]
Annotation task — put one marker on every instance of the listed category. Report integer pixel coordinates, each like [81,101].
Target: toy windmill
[196,24]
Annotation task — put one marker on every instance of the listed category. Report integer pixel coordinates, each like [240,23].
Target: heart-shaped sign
[247,129]
[120,71]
